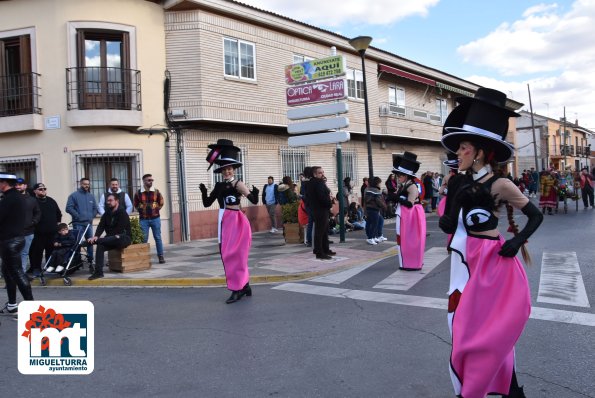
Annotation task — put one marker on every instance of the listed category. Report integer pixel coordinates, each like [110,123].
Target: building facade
[78,79]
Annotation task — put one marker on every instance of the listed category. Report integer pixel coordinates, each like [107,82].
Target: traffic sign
[334,137]
[318,125]
[315,69]
[321,91]
[317,111]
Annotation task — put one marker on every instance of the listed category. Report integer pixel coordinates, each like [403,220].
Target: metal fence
[19,94]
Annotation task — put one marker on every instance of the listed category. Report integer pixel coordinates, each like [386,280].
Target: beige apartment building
[227,63]
[78,79]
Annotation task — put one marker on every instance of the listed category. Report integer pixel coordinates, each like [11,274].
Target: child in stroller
[63,245]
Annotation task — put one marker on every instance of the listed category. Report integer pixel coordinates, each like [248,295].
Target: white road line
[342,276]
[561,281]
[545,314]
[404,280]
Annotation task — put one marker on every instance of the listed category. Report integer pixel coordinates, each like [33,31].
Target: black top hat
[482,119]
[406,163]
[451,161]
[223,154]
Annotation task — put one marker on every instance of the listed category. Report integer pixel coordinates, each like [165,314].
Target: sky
[504,44]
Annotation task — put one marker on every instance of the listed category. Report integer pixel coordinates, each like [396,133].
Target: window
[103,74]
[101,168]
[355,84]
[298,59]
[349,164]
[441,109]
[239,59]
[396,96]
[18,85]
[239,172]
[21,167]
[293,162]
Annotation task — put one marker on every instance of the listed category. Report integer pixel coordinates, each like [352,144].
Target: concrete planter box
[133,258]
[293,233]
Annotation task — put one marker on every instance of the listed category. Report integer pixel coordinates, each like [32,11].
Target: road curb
[198,282]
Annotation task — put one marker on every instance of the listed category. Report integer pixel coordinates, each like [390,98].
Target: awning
[454,89]
[406,75]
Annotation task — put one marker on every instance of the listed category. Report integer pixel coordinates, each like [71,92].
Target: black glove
[255,190]
[447,225]
[403,201]
[203,189]
[511,247]
[253,195]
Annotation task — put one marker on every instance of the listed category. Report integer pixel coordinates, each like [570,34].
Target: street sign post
[333,137]
[321,91]
[318,125]
[318,111]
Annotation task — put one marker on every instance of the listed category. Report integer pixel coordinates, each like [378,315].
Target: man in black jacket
[46,228]
[32,217]
[116,224]
[12,224]
[319,199]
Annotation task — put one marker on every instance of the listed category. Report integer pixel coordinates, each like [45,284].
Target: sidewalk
[198,263]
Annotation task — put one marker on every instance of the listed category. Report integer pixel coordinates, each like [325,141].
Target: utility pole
[533,129]
[564,132]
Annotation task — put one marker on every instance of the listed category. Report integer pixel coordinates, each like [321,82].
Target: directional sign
[317,111]
[315,69]
[318,125]
[333,137]
[327,90]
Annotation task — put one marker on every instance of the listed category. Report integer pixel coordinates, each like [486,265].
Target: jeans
[271,209]
[79,228]
[10,254]
[155,225]
[25,252]
[105,244]
[372,223]
[310,225]
[380,226]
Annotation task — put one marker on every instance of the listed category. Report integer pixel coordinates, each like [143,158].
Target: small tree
[289,213]
[136,231]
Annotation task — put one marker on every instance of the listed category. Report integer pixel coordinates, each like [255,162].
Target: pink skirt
[234,245]
[411,237]
[490,316]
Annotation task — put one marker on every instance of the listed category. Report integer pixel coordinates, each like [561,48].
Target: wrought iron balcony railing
[96,87]
[19,94]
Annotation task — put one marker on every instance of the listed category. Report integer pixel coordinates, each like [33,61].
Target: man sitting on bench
[116,224]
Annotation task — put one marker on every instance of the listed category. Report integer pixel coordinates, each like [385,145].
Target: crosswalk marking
[340,277]
[404,280]
[561,281]
[545,314]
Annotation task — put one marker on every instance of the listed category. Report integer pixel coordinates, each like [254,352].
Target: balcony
[103,96]
[19,102]
[407,112]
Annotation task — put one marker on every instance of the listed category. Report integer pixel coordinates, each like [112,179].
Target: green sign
[315,69]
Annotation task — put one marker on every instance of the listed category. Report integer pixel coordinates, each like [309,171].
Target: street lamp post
[360,44]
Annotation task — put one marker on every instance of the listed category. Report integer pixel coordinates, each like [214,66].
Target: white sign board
[52,122]
[333,137]
[317,111]
[318,125]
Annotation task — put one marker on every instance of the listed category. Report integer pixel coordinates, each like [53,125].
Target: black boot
[516,391]
[235,296]
[246,290]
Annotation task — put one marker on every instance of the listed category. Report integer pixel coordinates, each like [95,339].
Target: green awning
[454,89]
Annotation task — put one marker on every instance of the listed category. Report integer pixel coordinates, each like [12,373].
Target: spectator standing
[12,224]
[304,194]
[45,230]
[436,183]
[123,198]
[115,222]
[32,216]
[587,188]
[374,206]
[391,188]
[319,199]
[428,182]
[287,193]
[148,201]
[363,191]
[534,183]
[82,207]
[270,198]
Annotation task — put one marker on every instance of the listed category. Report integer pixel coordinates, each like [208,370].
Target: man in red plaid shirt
[148,201]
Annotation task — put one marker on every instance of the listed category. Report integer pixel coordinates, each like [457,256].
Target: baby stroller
[72,260]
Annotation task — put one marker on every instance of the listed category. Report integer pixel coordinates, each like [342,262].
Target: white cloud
[555,50]
[335,13]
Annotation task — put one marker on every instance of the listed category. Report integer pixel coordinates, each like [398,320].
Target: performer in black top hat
[488,291]
[234,233]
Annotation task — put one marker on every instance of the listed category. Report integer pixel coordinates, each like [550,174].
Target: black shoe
[246,290]
[95,276]
[235,296]
[331,253]
[161,260]
[308,244]
[324,257]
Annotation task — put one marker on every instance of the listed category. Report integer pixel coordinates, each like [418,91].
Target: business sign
[315,69]
[318,125]
[56,337]
[328,90]
[333,137]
